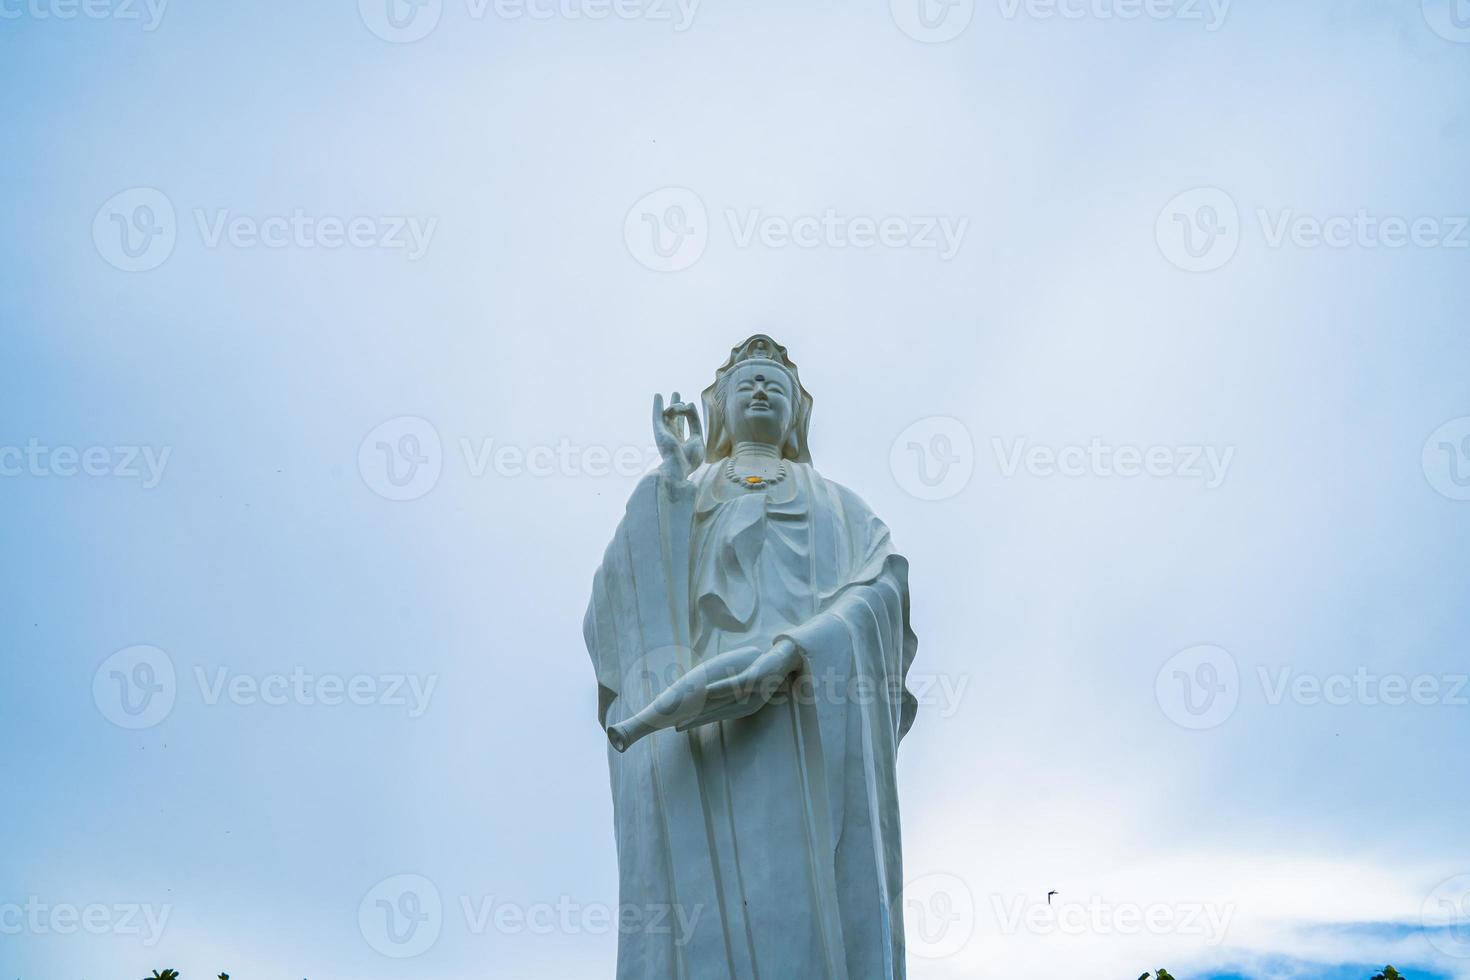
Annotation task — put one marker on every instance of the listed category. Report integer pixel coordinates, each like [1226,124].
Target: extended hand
[761,680]
[681,454]
[732,685]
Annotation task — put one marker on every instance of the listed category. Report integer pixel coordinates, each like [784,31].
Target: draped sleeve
[867,597]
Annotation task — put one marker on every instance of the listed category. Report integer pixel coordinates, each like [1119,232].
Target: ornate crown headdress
[758,348]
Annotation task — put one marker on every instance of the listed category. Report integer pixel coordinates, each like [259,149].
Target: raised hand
[682,453]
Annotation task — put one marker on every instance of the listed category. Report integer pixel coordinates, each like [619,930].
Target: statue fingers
[725,711]
[768,671]
[732,687]
[696,428]
[663,435]
[660,422]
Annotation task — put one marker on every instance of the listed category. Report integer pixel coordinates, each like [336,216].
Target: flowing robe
[767,846]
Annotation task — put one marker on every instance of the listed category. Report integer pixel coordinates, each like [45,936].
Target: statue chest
[752,570]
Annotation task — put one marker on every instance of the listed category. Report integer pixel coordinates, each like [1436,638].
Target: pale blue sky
[531,311]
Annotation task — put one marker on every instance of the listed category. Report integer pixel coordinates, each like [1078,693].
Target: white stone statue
[749,627]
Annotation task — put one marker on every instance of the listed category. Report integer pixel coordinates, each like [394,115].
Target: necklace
[753,482]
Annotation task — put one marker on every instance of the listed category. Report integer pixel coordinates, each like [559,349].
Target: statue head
[757,397]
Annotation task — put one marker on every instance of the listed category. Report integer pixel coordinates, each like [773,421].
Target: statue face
[759,404]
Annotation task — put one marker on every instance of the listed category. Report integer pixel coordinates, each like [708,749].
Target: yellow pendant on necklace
[753,481]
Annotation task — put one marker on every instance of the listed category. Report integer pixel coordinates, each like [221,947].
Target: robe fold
[767,846]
